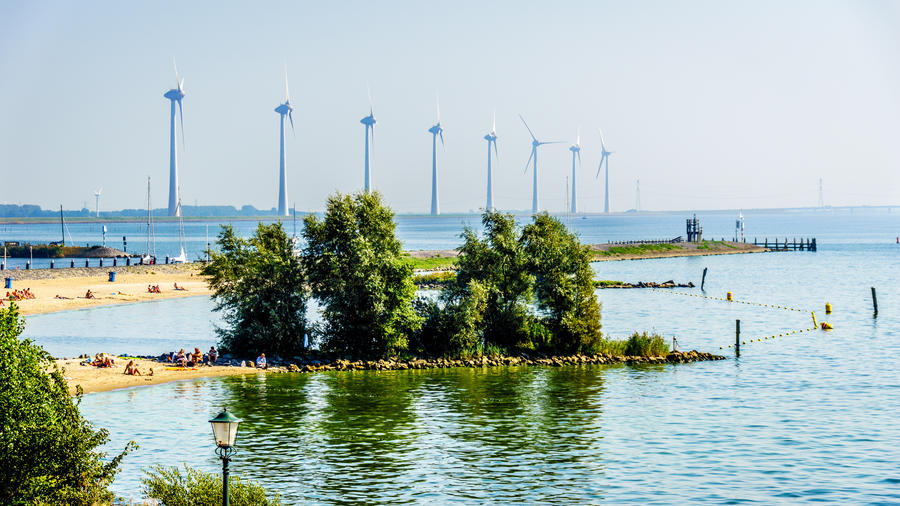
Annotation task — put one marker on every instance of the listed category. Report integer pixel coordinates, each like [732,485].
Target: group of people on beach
[17,295]
[153,289]
[194,359]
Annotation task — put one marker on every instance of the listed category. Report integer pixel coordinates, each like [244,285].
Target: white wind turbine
[285,109]
[435,130]
[576,150]
[97,201]
[534,145]
[174,95]
[604,157]
[492,139]
[369,122]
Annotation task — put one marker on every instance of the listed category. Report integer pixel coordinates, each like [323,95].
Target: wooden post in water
[703,281]
[874,301]
[737,338]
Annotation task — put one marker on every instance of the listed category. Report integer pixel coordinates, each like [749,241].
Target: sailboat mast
[148,215]
[62,226]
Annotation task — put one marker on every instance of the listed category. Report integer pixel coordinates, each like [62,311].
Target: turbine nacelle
[436,129]
[284,108]
[175,94]
[368,120]
[491,137]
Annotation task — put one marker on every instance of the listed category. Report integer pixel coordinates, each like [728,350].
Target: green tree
[355,266]
[260,289]
[563,285]
[48,452]
[195,488]
[499,264]
[452,328]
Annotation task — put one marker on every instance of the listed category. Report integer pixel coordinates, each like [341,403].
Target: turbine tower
[285,109]
[369,122]
[604,157]
[175,95]
[435,130]
[637,195]
[97,201]
[576,151]
[821,198]
[534,145]
[492,139]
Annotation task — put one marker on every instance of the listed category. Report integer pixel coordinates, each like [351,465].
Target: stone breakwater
[315,365]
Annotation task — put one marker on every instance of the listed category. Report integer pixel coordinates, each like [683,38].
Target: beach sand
[130,286]
[93,379]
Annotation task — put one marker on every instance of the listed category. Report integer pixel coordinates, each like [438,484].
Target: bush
[260,287]
[641,345]
[454,329]
[48,452]
[196,488]
[357,271]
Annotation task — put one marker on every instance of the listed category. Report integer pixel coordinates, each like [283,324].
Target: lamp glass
[225,428]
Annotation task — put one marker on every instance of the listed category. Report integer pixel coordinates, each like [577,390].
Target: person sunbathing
[58,296]
[180,288]
[180,358]
[131,369]
[89,295]
[196,357]
[151,372]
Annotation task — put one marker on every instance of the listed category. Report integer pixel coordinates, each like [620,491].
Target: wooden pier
[803,244]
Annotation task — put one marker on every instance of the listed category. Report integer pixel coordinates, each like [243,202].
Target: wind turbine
[435,130]
[97,201]
[492,139]
[175,95]
[604,157]
[285,109]
[534,145]
[576,150]
[369,122]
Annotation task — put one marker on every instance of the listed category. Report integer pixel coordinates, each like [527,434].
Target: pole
[225,460]
[703,281]
[737,338]
[874,301]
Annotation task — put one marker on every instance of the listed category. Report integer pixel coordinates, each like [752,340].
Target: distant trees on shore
[516,289]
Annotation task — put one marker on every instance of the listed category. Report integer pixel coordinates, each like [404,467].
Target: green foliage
[48,452]
[500,265]
[260,288]
[711,245]
[637,249]
[433,263]
[599,283]
[452,329]
[357,271]
[564,284]
[642,345]
[195,488]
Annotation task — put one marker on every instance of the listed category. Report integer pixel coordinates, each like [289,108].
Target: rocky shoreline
[310,364]
[645,284]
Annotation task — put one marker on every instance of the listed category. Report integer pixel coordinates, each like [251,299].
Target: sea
[802,415]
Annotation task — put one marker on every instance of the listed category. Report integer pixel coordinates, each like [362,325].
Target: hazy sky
[711,104]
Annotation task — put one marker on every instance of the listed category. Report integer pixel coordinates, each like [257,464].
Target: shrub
[195,488]
[642,345]
[48,452]
[454,329]
[357,271]
[260,288]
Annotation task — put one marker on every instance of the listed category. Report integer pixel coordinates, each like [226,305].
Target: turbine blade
[550,142]
[287,91]
[438,102]
[529,160]
[369,92]
[602,139]
[442,137]
[600,167]
[495,149]
[181,118]
[578,138]
[579,157]
[529,128]
[494,122]
[291,117]
[176,71]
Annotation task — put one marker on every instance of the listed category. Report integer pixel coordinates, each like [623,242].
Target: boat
[149,258]
[182,257]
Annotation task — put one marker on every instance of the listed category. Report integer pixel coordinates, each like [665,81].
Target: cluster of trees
[49,452]
[516,288]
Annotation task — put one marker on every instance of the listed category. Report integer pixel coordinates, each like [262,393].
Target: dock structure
[694,230]
[803,244]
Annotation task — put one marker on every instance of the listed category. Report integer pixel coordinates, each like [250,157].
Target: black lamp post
[225,427]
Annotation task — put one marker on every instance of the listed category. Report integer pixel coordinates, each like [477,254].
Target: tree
[499,264]
[356,270]
[563,285]
[260,288]
[48,452]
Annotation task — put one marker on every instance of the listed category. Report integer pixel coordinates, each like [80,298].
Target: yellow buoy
[826,326]
[729,297]
[827,308]
[815,323]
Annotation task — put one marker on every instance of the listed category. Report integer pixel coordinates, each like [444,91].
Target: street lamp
[225,427]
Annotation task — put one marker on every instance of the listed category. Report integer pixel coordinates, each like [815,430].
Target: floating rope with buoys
[729,297]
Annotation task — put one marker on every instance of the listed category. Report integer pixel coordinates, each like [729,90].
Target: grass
[710,245]
[600,283]
[435,278]
[638,249]
[641,345]
[427,264]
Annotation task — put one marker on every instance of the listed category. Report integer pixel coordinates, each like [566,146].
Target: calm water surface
[806,417]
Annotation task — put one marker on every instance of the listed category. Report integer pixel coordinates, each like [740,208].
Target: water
[442,232]
[809,416]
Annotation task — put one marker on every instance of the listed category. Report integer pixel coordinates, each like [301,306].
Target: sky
[712,105]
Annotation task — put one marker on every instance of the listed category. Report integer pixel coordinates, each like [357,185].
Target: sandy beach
[130,285]
[94,379]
